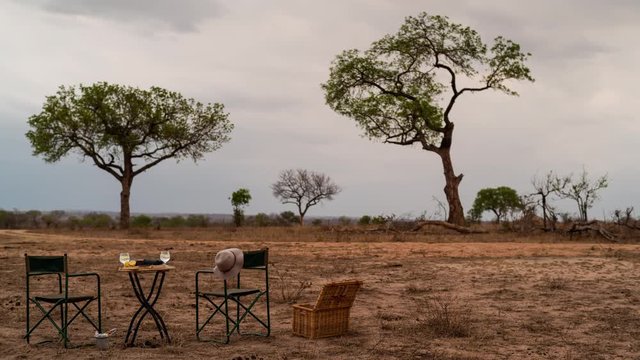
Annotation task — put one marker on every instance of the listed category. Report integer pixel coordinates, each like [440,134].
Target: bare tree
[544,188]
[583,190]
[304,189]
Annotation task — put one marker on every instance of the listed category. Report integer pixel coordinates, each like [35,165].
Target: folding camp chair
[57,265]
[220,298]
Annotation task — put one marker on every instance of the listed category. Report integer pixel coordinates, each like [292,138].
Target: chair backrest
[338,295]
[41,264]
[256,259]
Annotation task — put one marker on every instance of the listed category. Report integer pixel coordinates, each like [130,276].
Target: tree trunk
[124,204]
[456,212]
[544,210]
[126,181]
[301,212]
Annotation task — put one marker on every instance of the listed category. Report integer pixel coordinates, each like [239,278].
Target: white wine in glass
[165,256]
[124,257]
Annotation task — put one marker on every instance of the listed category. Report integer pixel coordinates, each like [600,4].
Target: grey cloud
[181,16]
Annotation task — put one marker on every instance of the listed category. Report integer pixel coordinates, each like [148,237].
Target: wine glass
[165,256]
[124,257]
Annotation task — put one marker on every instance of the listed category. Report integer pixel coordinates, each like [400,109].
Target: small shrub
[97,220]
[316,222]
[379,220]
[445,317]
[197,221]
[262,219]
[288,218]
[364,220]
[142,221]
[172,222]
[290,290]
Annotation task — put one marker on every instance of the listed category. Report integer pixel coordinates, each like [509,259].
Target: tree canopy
[125,130]
[403,88]
[239,199]
[500,201]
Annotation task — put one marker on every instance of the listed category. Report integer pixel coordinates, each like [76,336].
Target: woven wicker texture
[330,315]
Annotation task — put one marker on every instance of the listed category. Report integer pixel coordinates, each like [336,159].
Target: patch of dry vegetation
[430,296]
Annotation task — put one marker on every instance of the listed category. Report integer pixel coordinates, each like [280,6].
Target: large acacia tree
[125,131]
[402,90]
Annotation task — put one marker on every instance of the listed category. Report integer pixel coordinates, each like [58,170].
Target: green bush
[365,220]
[97,220]
[197,221]
[379,220]
[172,222]
[288,218]
[141,221]
[262,219]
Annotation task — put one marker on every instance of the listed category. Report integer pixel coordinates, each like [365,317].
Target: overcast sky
[265,60]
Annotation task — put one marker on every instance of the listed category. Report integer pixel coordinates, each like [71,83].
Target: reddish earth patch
[425,296]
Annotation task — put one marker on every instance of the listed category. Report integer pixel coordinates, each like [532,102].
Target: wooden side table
[147,301]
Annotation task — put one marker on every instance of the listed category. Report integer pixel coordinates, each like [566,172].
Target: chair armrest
[198,272]
[204,271]
[87,274]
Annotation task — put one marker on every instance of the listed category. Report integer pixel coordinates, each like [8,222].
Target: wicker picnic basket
[330,314]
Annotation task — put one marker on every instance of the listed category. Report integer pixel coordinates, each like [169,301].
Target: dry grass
[446,316]
[289,289]
[430,295]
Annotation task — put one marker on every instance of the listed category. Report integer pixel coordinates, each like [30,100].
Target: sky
[265,61]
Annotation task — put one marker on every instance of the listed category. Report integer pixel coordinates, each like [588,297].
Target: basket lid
[338,295]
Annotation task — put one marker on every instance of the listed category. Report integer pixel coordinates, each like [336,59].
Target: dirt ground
[425,296]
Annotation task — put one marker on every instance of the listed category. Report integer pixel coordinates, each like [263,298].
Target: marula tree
[402,90]
[125,131]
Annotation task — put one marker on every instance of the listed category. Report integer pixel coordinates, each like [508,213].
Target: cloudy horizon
[265,62]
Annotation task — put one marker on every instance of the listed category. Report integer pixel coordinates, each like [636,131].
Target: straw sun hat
[228,263]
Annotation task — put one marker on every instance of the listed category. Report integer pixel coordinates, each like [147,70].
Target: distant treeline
[35,219]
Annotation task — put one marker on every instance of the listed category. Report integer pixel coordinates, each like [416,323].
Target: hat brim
[235,270]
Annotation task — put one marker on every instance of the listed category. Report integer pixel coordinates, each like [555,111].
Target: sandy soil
[505,298]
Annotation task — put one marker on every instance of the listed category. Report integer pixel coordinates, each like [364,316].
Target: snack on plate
[130,263]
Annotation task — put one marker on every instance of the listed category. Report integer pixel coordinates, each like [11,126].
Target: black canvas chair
[245,299]
[57,265]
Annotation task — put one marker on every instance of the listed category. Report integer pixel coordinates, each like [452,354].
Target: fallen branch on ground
[458,228]
[593,225]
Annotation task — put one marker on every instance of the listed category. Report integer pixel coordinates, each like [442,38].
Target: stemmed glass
[124,257]
[165,256]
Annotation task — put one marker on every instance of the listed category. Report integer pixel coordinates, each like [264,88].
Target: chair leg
[62,322]
[47,316]
[197,314]
[237,315]
[65,329]
[226,317]
[28,333]
[223,312]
